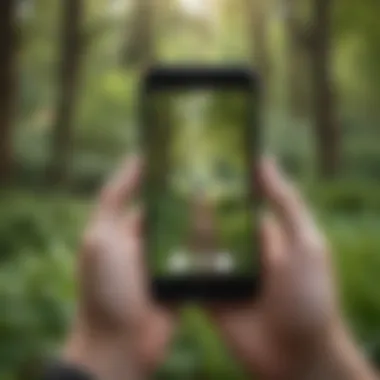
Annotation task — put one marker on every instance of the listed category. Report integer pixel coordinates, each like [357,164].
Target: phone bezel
[164,78]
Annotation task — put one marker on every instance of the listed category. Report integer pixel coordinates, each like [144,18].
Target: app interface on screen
[200,213]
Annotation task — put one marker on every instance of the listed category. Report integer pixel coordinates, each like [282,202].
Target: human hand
[120,332]
[297,315]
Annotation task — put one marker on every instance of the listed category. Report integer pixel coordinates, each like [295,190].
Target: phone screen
[200,183]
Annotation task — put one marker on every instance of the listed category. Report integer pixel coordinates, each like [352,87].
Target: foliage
[39,236]
[39,239]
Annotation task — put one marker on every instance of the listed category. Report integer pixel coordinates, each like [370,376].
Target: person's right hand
[296,320]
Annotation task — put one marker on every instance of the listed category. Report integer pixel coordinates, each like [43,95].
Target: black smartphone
[201,141]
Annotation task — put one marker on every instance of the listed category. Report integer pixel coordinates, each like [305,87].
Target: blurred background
[69,71]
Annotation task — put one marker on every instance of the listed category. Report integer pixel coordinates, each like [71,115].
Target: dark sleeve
[65,371]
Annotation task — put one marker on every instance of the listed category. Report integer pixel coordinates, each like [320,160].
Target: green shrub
[41,236]
[38,239]
[345,197]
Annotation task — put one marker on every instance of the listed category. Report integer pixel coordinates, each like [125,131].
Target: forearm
[339,359]
[336,357]
[104,358]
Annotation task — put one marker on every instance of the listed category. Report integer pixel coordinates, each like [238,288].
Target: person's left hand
[120,332]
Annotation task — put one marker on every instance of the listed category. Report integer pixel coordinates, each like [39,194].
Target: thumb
[272,246]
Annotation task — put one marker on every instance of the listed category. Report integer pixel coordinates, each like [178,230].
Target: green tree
[309,27]
[8,44]
[297,50]
[258,12]
[325,119]
[139,46]
[71,51]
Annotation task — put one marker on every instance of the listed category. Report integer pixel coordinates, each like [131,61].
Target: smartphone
[200,138]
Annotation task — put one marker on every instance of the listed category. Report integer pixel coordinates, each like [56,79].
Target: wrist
[104,355]
[337,357]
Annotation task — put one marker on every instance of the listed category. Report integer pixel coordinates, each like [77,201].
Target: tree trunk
[139,49]
[7,85]
[143,54]
[71,42]
[297,60]
[258,25]
[325,117]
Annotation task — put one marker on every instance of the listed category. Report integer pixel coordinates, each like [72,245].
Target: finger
[273,245]
[133,221]
[158,331]
[284,199]
[122,186]
[132,224]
